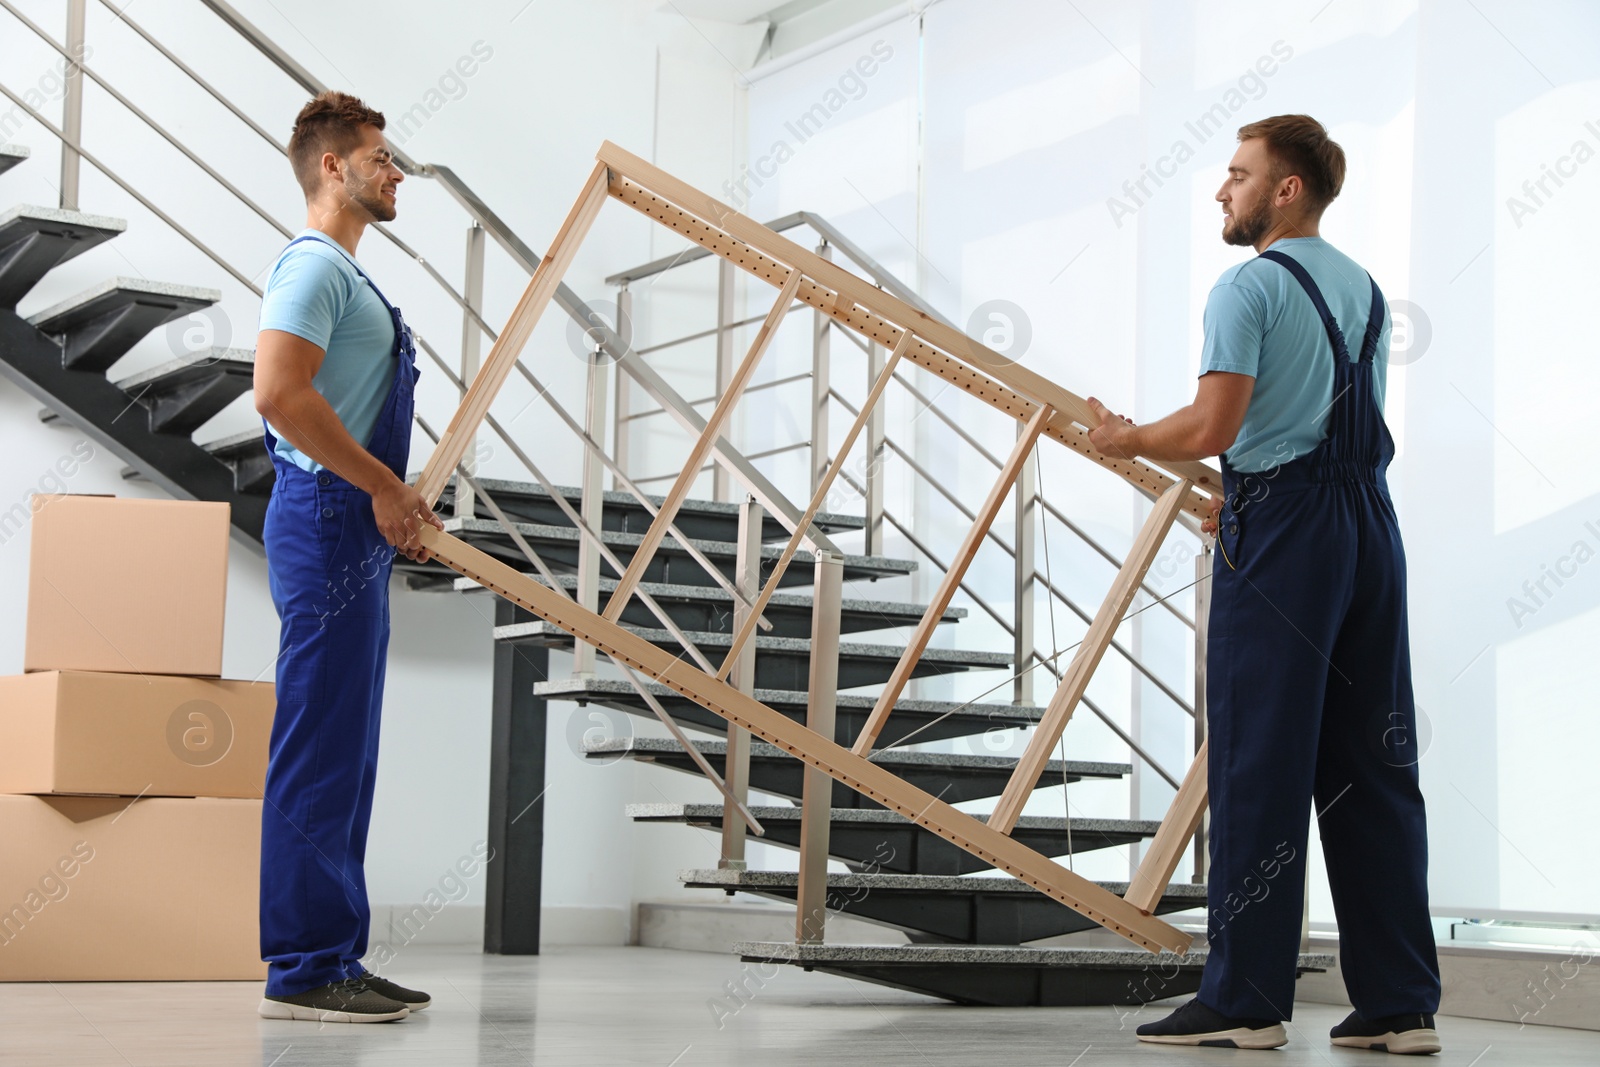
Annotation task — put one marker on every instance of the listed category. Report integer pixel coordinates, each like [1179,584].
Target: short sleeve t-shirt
[314,291]
[1260,322]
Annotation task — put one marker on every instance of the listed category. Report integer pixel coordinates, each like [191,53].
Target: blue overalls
[1308,695]
[328,567]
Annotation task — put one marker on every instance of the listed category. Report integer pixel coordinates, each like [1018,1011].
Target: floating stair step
[671,565]
[246,454]
[706,519]
[889,843]
[1009,977]
[11,155]
[707,608]
[976,910]
[98,326]
[935,719]
[182,394]
[784,662]
[36,240]
[952,776]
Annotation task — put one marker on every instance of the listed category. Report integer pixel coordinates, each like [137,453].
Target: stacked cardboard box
[130,772]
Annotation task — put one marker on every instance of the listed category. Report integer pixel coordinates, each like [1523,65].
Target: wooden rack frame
[1047,409]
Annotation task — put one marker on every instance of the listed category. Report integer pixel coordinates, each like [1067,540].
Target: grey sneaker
[349,1001]
[411,998]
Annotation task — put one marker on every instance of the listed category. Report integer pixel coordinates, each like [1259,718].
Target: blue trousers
[1309,701]
[329,572]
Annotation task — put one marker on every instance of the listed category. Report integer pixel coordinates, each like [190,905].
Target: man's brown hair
[330,122]
[1300,145]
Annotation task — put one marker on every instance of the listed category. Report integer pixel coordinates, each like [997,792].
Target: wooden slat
[702,448]
[486,383]
[1166,849]
[875,329]
[837,762]
[817,498]
[852,289]
[1087,658]
[952,581]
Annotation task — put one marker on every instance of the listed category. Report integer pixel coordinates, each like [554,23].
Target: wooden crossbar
[815,505]
[879,330]
[952,580]
[847,289]
[491,376]
[1076,679]
[1166,849]
[702,448]
[839,763]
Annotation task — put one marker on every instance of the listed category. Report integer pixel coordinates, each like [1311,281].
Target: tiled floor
[654,1007]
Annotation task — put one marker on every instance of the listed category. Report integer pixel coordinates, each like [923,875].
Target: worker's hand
[1114,435]
[1208,524]
[400,512]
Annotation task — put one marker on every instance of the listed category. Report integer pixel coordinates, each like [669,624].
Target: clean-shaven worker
[334,374]
[1308,668]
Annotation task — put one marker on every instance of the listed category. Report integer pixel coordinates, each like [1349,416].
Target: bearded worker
[1308,667]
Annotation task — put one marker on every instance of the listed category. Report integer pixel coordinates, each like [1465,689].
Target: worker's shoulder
[313,261]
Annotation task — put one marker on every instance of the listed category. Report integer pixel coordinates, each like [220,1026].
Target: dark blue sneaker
[1402,1035]
[1196,1024]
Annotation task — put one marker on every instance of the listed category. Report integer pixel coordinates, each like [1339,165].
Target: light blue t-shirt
[1260,322]
[314,291]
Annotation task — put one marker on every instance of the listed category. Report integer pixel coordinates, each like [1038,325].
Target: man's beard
[1248,230]
[376,206]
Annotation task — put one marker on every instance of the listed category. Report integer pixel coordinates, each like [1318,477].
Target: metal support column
[471,347]
[722,486]
[593,501]
[515,869]
[1027,495]
[816,795]
[821,379]
[72,105]
[875,460]
[736,768]
[1202,616]
[621,406]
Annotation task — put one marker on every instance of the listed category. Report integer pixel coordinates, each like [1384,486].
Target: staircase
[969,930]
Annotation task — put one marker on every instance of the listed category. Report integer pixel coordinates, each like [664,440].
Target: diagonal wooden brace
[816,503]
[1094,645]
[952,580]
[702,448]
[837,762]
[1166,850]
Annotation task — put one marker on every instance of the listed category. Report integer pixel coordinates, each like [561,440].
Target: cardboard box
[134,734]
[114,888]
[127,585]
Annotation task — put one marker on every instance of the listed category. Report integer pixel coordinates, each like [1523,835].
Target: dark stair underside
[1009,977]
[934,908]
[886,841]
[784,662]
[708,608]
[951,776]
[932,720]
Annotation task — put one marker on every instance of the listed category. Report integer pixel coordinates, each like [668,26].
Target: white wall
[998,170]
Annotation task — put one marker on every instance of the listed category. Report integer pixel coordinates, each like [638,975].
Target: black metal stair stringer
[108,417]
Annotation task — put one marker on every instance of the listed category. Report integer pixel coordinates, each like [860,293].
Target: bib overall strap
[1329,323]
[1369,342]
